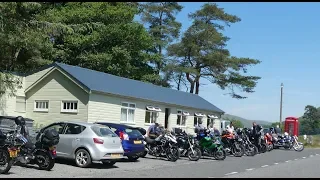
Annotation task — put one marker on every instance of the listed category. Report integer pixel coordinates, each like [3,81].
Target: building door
[166,118]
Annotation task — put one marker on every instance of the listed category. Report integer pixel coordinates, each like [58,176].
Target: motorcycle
[268,141]
[7,153]
[213,147]
[164,145]
[287,142]
[187,146]
[263,145]
[233,144]
[41,153]
[250,149]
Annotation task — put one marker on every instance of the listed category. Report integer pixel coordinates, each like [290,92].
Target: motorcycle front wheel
[173,154]
[250,150]
[238,150]
[263,148]
[220,154]
[298,147]
[44,161]
[5,162]
[195,155]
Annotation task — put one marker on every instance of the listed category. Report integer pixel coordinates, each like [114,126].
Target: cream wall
[107,108]
[55,88]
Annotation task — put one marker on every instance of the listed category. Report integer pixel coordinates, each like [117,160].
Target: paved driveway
[257,166]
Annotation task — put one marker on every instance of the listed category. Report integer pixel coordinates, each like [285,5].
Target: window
[20,104]
[103,131]
[127,112]
[182,118]
[151,117]
[211,119]
[69,106]
[57,127]
[74,129]
[197,120]
[152,113]
[210,122]
[42,106]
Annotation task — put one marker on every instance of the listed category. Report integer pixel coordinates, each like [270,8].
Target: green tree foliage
[163,27]
[24,44]
[202,53]
[104,38]
[237,124]
[310,121]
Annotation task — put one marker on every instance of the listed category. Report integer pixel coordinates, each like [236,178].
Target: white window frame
[35,109]
[183,114]
[154,112]
[127,108]
[69,110]
[198,116]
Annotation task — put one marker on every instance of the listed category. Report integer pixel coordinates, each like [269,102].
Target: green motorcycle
[212,147]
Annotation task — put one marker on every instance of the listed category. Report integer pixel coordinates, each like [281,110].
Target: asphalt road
[277,163]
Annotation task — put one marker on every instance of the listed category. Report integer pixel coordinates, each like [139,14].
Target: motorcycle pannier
[50,137]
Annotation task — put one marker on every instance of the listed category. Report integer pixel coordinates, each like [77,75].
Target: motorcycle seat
[150,141]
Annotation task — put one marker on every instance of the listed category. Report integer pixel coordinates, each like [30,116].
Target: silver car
[87,142]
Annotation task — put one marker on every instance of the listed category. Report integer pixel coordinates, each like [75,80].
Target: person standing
[257,133]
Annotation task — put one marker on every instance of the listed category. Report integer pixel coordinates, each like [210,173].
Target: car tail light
[123,136]
[98,141]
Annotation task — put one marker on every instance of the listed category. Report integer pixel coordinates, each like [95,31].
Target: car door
[59,127]
[71,139]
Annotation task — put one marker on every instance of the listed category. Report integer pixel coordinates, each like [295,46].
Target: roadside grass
[315,141]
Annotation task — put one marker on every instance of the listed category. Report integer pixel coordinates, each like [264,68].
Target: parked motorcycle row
[15,148]
[205,143]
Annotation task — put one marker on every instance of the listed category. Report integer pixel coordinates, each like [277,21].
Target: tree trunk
[191,81]
[179,81]
[197,85]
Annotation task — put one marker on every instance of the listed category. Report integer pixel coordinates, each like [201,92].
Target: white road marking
[317,154]
[295,159]
[276,163]
[287,161]
[303,157]
[250,169]
[211,177]
[311,155]
[231,173]
[264,166]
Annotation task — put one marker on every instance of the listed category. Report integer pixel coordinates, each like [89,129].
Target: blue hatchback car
[132,139]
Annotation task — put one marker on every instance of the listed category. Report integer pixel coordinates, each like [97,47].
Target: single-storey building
[63,92]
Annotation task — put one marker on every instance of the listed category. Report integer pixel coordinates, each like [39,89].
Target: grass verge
[315,141]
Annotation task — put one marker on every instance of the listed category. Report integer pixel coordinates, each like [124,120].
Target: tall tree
[163,27]
[104,38]
[202,53]
[24,44]
[310,122]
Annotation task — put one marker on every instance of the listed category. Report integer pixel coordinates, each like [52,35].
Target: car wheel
[133,158]
[83,158]
[109,163]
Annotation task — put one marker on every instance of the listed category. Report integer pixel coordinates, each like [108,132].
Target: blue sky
[285,37]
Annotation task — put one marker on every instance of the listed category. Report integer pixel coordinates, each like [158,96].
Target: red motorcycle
[268,141]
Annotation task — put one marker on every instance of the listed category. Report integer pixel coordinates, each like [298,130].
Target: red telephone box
[291,126]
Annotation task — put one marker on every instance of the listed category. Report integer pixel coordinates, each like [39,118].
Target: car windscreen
[103,131]
[133,132]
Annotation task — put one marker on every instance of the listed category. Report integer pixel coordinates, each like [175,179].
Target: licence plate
[13,153]
[115,155]
[137,142]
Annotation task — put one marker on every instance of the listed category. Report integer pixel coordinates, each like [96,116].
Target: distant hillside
[245,122]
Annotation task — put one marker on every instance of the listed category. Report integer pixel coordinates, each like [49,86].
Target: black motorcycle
[187,146]
[165,145]
[262,144]
[233,144]
[250,149]
[7,153]
[41,153]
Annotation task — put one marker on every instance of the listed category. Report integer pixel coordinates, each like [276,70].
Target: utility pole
[281,93]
